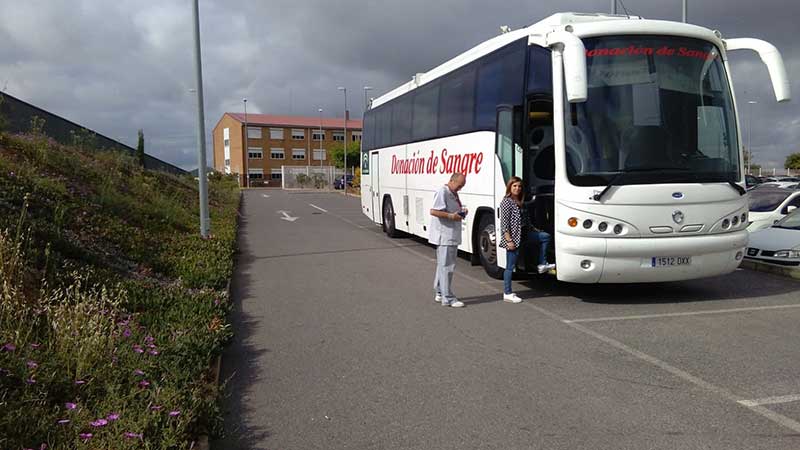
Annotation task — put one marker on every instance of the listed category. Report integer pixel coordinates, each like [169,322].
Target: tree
[748,164]
[353,154]
[792,161]
[140,148]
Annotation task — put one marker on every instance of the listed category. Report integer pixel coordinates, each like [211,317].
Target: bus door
[510,155]
[540,162]
[374,188]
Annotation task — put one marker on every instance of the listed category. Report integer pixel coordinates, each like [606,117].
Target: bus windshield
[659,107]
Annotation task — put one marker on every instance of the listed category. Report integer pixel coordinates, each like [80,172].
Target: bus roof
[583,24]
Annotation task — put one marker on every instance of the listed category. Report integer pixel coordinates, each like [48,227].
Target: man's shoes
[511,298]
[438,298]
[453,304]
[542,268]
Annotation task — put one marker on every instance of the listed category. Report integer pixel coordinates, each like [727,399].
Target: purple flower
[35,345]
[138,372]
[70,405]
[151,345]
[30,380]
[144,384]
[130,435]
[99,423]
[174,413]
[156,407]
[126,332]
[63,421]
[153,352]
[112,417]
[80,382]
[149,339]
[31,364]
[216,302]
[9,347]
[85,436]
[138,348]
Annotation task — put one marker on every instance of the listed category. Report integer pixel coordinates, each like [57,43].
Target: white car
[778,244]
[769,205]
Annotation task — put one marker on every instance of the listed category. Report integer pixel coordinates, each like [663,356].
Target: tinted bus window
[426,102]
[540,70]
[369,131]
[500,78]
[383,136]
[401,120]
[457,102]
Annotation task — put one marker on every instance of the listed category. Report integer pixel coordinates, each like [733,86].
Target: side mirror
[771,58]
[574,59]
[790,208]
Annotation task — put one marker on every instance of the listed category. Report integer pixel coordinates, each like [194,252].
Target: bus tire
[487,248]
[388,219]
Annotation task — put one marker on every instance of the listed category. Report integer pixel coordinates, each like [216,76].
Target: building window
[227,162]
[253,133]
[356,136]
[338,136]
[276,133]
[275,174]
[319,155]
[255,153]
[298,153]
[318,135]
[276,153]
[255,174]
[298,135]
[227,142]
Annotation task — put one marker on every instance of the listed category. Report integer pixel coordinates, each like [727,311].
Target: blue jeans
[511,257]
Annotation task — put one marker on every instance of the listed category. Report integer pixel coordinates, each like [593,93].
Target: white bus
[624,131]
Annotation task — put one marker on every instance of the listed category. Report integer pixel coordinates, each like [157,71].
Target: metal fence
[310,177]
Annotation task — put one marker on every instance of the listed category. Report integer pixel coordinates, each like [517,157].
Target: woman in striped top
[511,236]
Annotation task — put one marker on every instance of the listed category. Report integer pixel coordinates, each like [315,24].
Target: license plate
[670,261]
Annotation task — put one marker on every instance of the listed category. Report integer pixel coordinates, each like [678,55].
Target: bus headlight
[735,220]
[586,264]
[617,229]
[587,223]
[744,217]
[726,224]
[602,227]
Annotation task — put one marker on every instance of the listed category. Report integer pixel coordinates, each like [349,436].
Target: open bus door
[374,187]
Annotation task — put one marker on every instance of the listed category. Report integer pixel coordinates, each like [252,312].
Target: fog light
[739,256]
[602,226]
[735,220]
[617,229]
[726,223]
[587,224]
[586,264]
[573,222]
[744,217]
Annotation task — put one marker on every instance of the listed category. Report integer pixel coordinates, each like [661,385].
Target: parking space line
[315,206]
[771,400]
[680,314]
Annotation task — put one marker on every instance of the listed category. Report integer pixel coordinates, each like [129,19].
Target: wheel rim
[487,245]
[387,217]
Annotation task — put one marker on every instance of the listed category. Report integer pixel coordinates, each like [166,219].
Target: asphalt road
[339,345]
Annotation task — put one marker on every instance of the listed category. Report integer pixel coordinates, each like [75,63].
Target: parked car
[339,182]
[781,184]
[750,181]
[769,204]
[778,244]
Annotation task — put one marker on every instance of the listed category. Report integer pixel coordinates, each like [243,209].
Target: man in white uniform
[445,233]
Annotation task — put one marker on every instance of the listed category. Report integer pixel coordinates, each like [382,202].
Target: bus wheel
[487,249]
[388,219]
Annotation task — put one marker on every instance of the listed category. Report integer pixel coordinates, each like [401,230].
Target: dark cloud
[124,65]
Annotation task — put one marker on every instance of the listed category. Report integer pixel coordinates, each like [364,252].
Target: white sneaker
[456,304]
[545,267]
[511,298]
[438,298]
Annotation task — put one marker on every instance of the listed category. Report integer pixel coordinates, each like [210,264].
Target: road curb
[758,266]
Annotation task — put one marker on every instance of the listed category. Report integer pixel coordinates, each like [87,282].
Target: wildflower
[138,372]
[99,423]
[216,302]
[85,436]
[9,347]
[80,382]
[151,345]
[153,352]
[149,339]
[63,421]
[30,380]
[130,435]
[144,384]
[70,405]
[138,348]
[112,417]
[31,364]
[156,407]
[126,332]
[175,413]
[35,345]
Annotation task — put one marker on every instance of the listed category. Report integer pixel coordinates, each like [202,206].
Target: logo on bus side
[466,163]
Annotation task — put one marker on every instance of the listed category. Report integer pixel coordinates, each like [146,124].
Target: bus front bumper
[631,260]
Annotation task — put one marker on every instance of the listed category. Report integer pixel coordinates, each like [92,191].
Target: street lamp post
[320,137]
[344,179]
[246,146]
[750,134]
[201,131]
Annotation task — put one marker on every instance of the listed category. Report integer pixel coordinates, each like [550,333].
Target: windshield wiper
[738,188]
[616,178]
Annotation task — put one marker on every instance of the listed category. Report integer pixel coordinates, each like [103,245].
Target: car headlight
[793,254]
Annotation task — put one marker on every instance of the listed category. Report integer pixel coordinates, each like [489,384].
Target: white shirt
[445,231]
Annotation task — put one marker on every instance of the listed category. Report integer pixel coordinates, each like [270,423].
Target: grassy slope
[110,300]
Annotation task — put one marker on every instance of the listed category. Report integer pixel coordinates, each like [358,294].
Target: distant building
[18,115]
[275,141]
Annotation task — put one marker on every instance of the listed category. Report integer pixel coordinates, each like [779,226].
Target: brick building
[275,141]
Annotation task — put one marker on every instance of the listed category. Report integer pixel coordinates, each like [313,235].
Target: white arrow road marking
[287,217]
[265,195]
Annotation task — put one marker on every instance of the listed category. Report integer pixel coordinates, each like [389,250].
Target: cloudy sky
[119,66]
